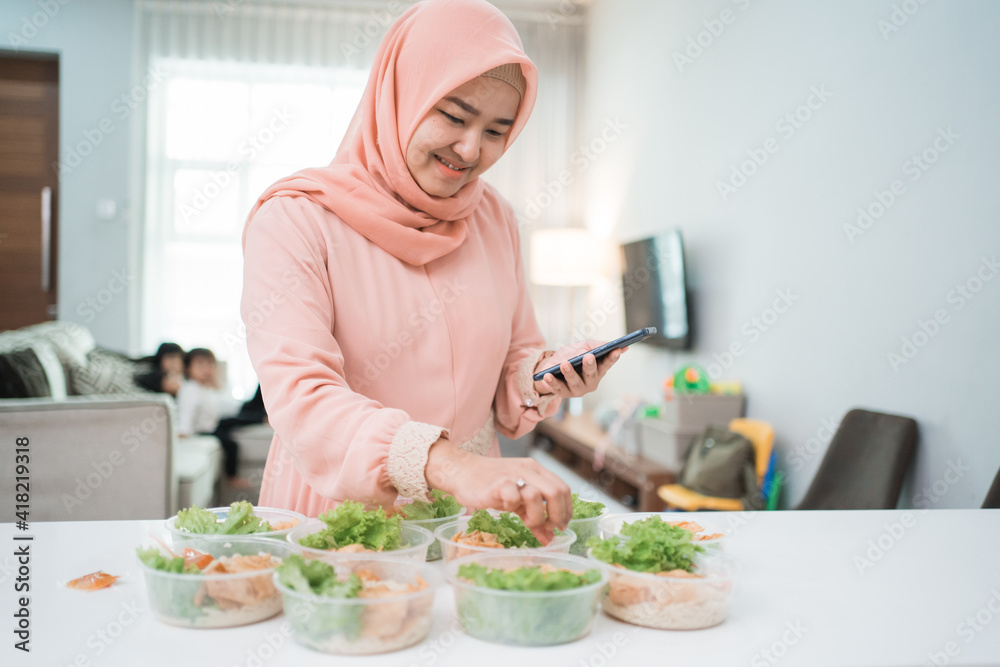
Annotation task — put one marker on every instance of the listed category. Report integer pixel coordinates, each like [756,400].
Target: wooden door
[29,187]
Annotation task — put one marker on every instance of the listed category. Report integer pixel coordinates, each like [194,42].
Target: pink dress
[364,360]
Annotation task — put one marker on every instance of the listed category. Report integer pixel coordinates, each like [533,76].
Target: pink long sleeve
[517,405]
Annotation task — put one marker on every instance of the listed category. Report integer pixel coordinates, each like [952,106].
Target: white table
[803,596]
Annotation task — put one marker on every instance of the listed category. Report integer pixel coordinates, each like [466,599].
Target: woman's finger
[534,505]
[510,496]
[574,383]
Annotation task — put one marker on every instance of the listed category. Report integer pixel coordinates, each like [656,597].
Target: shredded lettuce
[533,618]
[317,577]
[350,523]
[239,521]
[154,559]
[653,545]
[526,578]
[586,509]
[509,529]
[443,505]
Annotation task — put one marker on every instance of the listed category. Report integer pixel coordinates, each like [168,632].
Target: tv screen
[655,289]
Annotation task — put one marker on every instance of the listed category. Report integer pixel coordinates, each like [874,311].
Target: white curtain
[243,44]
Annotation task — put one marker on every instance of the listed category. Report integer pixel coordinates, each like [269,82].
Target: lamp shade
[568,257]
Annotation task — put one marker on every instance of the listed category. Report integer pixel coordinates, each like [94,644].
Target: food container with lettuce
[661,578]
[442,509]
[351,534]
[586,514]
[485,532]
[385,605]
[240,518]
[707,533]
[526,598]
[213,583]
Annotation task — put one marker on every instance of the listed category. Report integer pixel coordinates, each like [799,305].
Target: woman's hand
[575,384]
[543,502]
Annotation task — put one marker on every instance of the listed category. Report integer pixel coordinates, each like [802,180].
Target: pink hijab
[433,48]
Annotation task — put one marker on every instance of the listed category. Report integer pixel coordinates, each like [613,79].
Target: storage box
[664,443]
[693,412]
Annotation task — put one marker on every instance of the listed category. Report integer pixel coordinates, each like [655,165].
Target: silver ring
[520,482]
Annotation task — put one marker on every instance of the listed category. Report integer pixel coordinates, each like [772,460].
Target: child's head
[170,358]
[199,365]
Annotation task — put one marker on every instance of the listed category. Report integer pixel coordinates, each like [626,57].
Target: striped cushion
[105,373]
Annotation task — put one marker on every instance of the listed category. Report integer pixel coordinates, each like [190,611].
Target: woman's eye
[494,133]
[453,119]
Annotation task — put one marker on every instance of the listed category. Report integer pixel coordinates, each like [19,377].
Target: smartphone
[599,352]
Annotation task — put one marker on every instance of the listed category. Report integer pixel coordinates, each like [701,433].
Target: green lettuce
[509,529]
[350,523]
[586,509]
[534,618]
[653,545]
[155,559]
[239,521]
[526,578]
[316,621]
[443,505]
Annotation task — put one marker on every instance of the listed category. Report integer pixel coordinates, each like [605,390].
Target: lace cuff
[526,385]
[408,458]
[482,442]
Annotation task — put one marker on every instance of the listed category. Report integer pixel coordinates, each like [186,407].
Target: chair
[761,434]
[865,463]
[992,500]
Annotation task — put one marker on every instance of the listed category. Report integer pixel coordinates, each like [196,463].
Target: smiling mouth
[450,165]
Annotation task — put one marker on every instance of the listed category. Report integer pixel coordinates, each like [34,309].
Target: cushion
[72,341]
[22,375]
[106,372]
[54,372]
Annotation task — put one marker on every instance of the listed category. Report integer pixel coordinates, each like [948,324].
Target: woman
[387,311]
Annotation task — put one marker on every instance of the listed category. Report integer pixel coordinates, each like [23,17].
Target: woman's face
[462,135]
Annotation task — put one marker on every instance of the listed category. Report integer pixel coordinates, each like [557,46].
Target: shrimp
[93,581]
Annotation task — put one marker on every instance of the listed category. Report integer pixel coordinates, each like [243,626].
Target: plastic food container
[217,600]
[416,541]
[434,550]
[452,550]
[272,515]
[526,618]
[670,603]
[610,526]
[365,625]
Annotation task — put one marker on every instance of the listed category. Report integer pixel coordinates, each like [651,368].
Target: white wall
[94,41]
[687,126]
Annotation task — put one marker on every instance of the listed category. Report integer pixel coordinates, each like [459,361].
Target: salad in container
[351,534]
[484,532]
[586,514]
[659,577]
[384,606]
[240,518]
[442,509]
[528,599]
[622,525]
[232,585]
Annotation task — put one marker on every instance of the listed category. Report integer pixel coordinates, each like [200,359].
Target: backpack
[720,463]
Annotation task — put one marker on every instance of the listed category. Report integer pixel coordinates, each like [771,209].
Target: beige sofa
[108,456]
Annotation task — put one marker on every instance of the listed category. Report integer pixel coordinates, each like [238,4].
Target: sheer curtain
[242,93]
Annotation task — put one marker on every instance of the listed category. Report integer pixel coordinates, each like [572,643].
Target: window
[219,134]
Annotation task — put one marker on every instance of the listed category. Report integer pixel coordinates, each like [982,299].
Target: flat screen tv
[654,286]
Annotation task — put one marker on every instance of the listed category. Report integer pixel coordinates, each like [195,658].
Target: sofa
[99,447]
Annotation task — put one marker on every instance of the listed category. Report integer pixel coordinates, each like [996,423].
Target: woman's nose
[467,147]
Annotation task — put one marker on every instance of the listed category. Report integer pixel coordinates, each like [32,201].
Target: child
[167,371]
[201,405]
